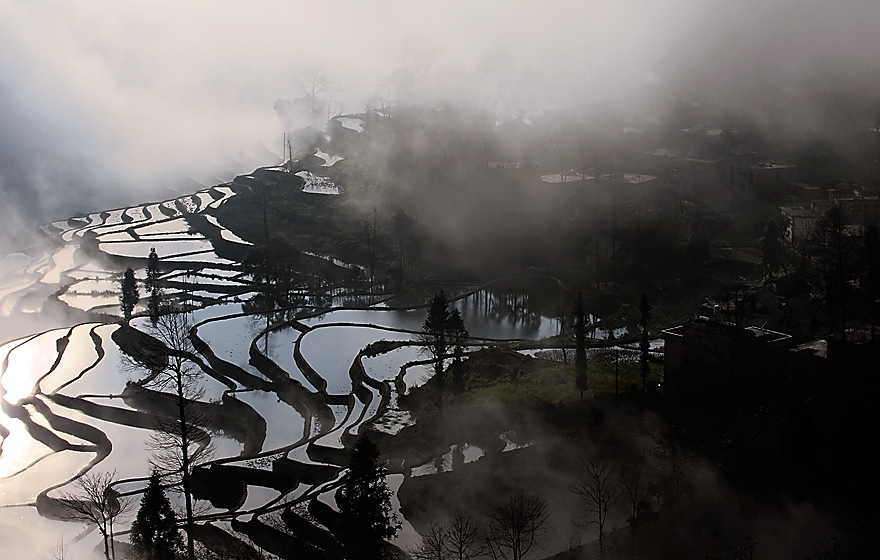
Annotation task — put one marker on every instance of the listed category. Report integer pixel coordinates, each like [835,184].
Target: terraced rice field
[281,400]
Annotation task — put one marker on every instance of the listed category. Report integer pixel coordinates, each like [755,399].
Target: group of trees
[511,530]
[154,533]
[179,440]
[580,333]
[849,268]
[129,295]
[444,335]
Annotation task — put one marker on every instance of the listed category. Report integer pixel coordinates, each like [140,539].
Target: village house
[710,357]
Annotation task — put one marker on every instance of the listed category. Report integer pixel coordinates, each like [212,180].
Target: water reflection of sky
[284,425]
[330,349]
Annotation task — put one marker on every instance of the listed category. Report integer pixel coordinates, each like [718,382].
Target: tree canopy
[154,532]
[364,500]
[129,296]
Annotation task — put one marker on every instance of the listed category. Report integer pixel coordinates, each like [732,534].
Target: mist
[102,99]
[113,99]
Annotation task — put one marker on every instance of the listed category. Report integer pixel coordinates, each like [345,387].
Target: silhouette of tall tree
[152,285]
[462,537]
[154,533]
[872,272]
[644,319]
[179,442]
[772,248]
[458,338]
[580,352]
[833,249]
[599,490]
[96,502]
[364,501]
[274,267]
[516,526]
[369,231]
[130,295]
[442,329]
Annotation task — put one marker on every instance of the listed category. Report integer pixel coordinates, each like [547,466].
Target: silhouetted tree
[442,329]
[772,248]
[154,533]
[129,296]
[179,443]
[364,501]
[458,337]
[369,231]
[580,352]
[833,249]
[96,502]
[152,285]
[402,227]
[872,275]
[599,491]
[274,267]
[462,537]
[516,525]
[432,545]
[644,319]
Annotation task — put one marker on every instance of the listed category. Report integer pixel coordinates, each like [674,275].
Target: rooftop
[773,165]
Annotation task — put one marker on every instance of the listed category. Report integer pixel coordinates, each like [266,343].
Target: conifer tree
[152,285]
[154,533]
[364,500]
[443,330]
[130,296]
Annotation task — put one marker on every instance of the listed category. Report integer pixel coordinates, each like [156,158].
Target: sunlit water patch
[334,366]
[284,425]
[177,225]
[78,355]
[458,454]
[230,340]
[225,233]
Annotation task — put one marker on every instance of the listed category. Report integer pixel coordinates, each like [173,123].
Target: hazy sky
[109,93]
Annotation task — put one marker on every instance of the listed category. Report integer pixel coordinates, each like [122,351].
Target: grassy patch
[555,384]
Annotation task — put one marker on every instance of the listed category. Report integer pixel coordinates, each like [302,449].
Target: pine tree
[365,502]
[154,533]
[130,296]
[435,331]
[152,285]
[459,335]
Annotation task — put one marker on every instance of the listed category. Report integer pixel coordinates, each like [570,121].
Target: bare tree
[60,551]
[633,485]
[180,442]
[599,491]
[458,538]
[95,502]
[313,83]
[370,230]
[516,526]
[433,544]
[462,534]
[334,105]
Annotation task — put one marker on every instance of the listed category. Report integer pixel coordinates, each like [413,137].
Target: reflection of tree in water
[501,307]
[521,303]
[268,315]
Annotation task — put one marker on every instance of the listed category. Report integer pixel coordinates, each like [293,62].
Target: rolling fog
[99,95]
[104,104]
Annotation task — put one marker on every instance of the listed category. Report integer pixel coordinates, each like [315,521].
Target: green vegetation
[556,384]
